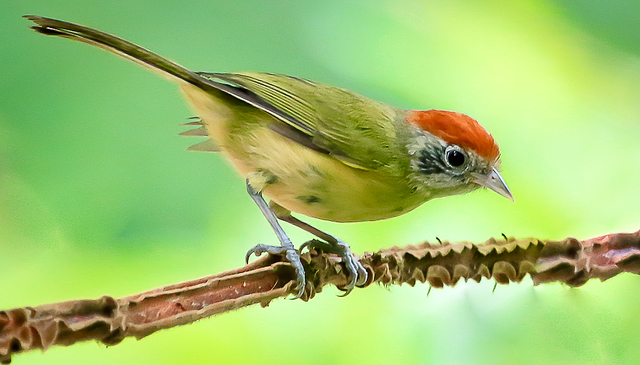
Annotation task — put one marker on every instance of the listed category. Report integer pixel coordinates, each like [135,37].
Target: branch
[110,320]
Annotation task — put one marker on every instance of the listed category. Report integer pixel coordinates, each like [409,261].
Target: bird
[319,150]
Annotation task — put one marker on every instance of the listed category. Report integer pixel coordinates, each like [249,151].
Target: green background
[98,196]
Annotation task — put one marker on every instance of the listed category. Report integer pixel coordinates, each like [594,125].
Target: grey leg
[285,249]
[358,275]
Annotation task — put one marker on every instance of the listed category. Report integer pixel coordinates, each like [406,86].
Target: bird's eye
[455,157]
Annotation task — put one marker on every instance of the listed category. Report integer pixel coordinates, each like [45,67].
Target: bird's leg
[357,273]
[286,247]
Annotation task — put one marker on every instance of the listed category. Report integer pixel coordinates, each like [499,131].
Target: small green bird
[319,150]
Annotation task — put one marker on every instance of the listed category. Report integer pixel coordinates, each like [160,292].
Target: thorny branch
[110,320]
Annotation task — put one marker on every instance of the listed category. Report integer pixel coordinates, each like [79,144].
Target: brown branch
[110,320]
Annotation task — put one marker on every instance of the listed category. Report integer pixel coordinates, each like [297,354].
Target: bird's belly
[334,200]
[317,185]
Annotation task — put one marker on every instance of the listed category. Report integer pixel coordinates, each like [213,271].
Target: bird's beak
[493,181]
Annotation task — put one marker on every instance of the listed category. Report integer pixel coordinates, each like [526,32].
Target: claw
[357,273]
[294,258]
[258,250]
[247,256]
[290,255]
[316,244]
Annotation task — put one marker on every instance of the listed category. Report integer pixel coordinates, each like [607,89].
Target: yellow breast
[304,181]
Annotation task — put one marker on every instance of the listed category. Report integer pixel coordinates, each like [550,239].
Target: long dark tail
[152,61]
[115,45]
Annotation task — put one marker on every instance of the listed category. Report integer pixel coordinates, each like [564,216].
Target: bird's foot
[357,273]
[291,255]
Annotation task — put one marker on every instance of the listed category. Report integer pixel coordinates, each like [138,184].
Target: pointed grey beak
[493,181]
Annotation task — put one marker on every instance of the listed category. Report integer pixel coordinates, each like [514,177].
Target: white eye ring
[456,159]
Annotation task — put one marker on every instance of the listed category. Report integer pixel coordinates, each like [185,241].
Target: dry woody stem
[110,320]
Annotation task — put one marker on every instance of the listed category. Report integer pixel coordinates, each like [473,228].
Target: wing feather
[352,128]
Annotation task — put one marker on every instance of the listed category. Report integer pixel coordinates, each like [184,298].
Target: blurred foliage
[98,197]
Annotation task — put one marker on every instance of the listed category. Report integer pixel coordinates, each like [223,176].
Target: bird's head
[452,154]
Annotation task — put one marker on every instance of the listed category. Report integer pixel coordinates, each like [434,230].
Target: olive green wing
[352,128]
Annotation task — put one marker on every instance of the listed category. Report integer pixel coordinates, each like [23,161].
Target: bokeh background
[98,196]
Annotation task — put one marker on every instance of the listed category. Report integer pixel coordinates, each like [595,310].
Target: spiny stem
[506,260]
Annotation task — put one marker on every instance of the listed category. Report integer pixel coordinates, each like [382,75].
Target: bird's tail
[117,46]
[207,82]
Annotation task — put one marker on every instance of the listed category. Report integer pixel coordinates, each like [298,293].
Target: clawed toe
[259,249]
[318,245]
[290,255]
[357,273]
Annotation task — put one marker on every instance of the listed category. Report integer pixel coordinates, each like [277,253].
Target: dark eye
[455,158]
